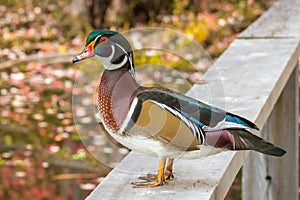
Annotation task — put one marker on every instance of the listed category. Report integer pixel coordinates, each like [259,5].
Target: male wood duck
[159,121]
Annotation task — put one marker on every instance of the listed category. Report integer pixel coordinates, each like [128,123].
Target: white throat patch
[106,61]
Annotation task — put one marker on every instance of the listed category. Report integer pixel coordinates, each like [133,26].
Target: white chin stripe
[106,61]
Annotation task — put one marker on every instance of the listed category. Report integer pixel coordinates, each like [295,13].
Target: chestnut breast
[115,95]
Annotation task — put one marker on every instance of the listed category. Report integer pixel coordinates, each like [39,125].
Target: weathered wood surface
[280,21]
[192,177]
[277,178]
[251,82]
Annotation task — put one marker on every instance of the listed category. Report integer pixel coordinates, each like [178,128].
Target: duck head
[110,47]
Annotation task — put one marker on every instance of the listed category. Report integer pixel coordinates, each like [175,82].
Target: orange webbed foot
[147,184]
[153,180]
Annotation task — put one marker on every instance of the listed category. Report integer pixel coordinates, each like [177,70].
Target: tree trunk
[97,12]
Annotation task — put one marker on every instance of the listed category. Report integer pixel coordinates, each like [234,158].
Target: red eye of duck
[103,40]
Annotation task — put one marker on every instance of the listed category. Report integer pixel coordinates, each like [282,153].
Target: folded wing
[210,125]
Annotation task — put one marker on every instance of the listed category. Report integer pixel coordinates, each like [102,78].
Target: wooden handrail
[259,81]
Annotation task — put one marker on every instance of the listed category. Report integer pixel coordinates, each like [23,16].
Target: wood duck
[159,121]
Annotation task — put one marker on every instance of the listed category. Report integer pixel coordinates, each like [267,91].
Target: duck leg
[157,181]
[167,175]
[169,169]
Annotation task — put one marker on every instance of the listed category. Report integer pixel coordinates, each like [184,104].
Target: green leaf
[8,139]
[2,162]
[81,155]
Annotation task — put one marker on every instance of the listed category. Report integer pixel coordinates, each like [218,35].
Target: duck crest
[115,96]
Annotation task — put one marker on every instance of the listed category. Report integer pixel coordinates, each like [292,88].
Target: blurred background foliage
[41,153]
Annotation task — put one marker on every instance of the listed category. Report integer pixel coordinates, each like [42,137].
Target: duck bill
[86,53]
